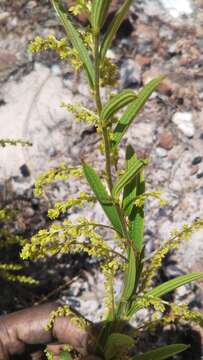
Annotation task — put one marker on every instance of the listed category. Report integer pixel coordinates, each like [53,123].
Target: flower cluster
[108,73]
[81,6]
[4,142]
[140,200]
[177,236]
[62,207]
[81,113]
[181,312]
[109,271]
[6,273]
[68,238]
[150,301]
[61,47]
[61,172]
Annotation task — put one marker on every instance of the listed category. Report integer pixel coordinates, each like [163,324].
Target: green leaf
[65,355]
[130,276]
[173,284]
[162,353]
[129,192]
[74,37]
[99,13]
[166,287]
[113,27]
[136,218]
[133,109]
[116,103]
[117,344]
[102,196]
[129,174]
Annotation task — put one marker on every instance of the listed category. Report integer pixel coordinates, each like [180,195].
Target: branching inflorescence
[120,191]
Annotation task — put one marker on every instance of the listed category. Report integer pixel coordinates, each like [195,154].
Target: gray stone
[161,152]
[197,160]
[184,122]
[130,73]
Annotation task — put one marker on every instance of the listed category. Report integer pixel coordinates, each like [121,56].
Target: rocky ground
[158,37]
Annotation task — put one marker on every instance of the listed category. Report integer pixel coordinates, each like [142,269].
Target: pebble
[201,96]
[177,8]
[196,160]
[161,152]
[52,152]
[184,122]
[4,16]
[29,212]
[130,73]
[25,170]
[7,59]
[200,174]
[55,69]
[166,140]
[194,169]
[143,60]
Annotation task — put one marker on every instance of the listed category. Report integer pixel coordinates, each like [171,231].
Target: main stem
[104,131]
[107,153]
[99,108]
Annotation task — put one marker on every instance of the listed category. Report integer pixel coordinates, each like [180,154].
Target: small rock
[130,74]
[201,96]
[196,160]
[25,170]
[184,122]
[52,152]
[167,87]
[182,292]
[201,136]
[4,16]
[143,60]
[29,212]
[31,5]
[166,33]
[200,174]
[184,60]
[2,102]
[7,59]
[56,71]
[161,152]
[166,140]
[173,49]
[194,169]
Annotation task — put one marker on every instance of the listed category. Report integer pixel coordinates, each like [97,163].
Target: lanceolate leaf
[113,27]
[173,284]
[133,109]
[99,13]
[117,102]
[162,353]
[136,218]
[166,287]
[74,37]
[130,276]
[103,197]
[129,174]
[116,344]
[129,192]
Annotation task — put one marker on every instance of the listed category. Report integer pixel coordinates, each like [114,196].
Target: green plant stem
[99,108]
[104,133]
